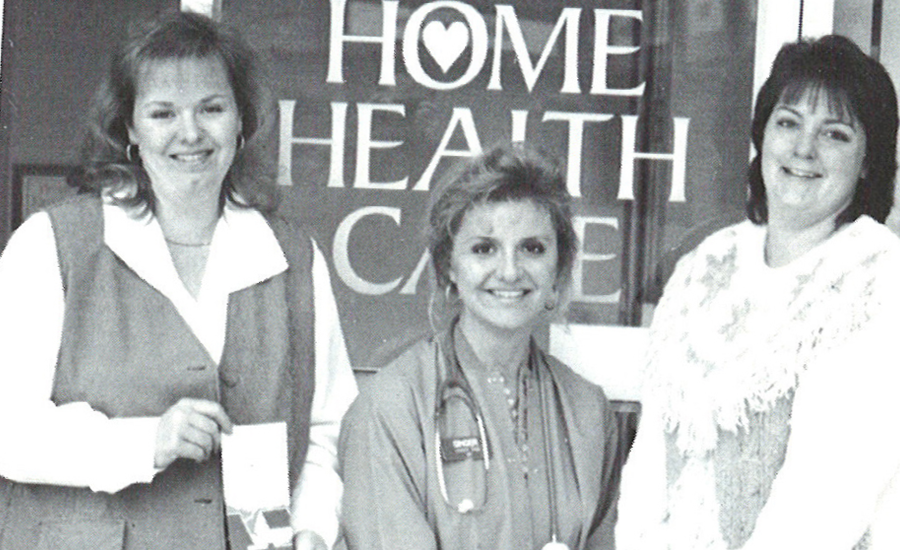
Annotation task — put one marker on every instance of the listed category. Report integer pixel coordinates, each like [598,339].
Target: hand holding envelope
[256,484]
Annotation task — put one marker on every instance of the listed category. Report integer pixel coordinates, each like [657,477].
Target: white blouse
[75,445]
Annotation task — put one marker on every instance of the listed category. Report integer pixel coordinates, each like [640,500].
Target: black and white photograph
[449,275]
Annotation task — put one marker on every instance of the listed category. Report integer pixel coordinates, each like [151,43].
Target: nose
[189,130]
[805,144]
[510,266]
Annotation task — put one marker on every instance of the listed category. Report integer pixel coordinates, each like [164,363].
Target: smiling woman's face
[812,160]
[503,264]
[186,124]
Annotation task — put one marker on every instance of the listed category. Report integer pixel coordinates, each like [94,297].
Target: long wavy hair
[105,162]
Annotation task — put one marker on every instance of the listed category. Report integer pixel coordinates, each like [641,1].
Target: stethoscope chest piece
[555,545]
[465,506]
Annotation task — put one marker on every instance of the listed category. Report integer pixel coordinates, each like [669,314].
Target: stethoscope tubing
[448,364]
[456,380]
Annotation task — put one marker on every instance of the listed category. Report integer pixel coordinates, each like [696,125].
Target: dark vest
[128,353]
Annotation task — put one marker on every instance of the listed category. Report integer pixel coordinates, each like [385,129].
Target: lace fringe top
[731,335]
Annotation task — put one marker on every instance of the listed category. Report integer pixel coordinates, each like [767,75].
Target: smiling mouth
[192,157]
[797,173]
[508,294]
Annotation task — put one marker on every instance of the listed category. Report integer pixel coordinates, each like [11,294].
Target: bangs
[812,91]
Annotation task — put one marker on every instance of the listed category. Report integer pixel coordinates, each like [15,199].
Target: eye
[482,248]
[161,114]
[213,108]
[837,134]
[534,247]
[785,122]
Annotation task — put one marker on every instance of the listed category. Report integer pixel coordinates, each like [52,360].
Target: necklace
[194,245]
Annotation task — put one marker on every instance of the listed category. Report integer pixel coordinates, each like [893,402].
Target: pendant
[555,545]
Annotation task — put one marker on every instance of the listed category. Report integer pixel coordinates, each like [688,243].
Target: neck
[191,223]
[784,243]
[501,352]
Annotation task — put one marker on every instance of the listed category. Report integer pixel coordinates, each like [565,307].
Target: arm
[383,464]
[843,450]
[316,500]
[71,444]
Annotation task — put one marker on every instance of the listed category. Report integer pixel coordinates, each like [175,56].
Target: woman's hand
[309,540]
[191,428]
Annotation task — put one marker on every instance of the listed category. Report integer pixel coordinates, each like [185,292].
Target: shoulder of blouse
[409,367]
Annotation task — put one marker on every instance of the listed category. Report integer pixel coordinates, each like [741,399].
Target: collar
[243,251]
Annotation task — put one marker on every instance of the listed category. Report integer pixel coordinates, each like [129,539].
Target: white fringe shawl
[731,335]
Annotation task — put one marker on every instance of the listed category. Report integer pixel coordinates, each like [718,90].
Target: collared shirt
[75,445]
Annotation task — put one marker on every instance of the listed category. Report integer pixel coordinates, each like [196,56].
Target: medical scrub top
[391,468]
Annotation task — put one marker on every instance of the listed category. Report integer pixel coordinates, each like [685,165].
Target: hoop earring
[448,290]
[131,152]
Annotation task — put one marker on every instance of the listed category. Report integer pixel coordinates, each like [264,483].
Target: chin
[517,324]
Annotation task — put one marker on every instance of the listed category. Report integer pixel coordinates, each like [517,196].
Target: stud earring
[553,301]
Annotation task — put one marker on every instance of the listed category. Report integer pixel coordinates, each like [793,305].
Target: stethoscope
[454,387]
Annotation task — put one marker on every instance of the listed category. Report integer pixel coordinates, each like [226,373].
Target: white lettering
[463,118]
[519,124]
[413,282]
[576,139]
[578,295]
[341,251]
[365,144]
[603,49]
[387,40]
[678,157]
[287,141]
[568,19]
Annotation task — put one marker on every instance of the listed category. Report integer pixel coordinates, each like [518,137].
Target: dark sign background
[366,127]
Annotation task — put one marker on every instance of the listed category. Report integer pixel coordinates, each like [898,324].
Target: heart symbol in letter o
[445,44]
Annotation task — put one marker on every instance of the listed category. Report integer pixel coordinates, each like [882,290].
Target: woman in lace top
[769,416]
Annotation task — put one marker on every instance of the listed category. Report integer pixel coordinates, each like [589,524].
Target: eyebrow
[214,97]
[540,236]
[836,120]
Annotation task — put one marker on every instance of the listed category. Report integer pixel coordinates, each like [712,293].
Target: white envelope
[255,467]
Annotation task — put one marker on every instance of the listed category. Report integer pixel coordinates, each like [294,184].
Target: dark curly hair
[105,163]
[854,84]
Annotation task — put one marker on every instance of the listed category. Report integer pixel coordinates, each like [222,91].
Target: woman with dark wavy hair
[159,309]
[769,415]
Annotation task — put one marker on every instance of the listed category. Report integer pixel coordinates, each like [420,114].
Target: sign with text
[377,99]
